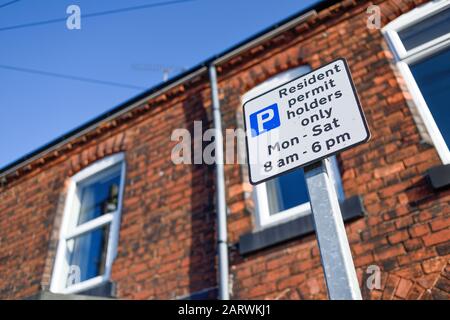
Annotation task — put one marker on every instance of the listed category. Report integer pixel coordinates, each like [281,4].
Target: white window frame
[405,57]
[260,195]
[263,217]
[69,230]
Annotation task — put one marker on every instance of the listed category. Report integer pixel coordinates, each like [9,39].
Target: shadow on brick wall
[202,265]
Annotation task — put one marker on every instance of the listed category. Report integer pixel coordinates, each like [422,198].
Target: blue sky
[35,109]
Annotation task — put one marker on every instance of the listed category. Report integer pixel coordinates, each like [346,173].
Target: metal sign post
[337,261]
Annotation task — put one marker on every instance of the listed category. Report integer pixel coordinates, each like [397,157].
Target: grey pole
[337,261]
[221,206]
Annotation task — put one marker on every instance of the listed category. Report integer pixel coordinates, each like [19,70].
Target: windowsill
[351,208]
[94,284]
[47,295]
[105,288]
[439,176]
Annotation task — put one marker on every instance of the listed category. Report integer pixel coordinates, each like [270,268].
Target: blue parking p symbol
[264,120]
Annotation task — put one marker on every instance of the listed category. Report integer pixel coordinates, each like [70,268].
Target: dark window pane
[100,195]
[87,253]
[426,30]
[287,191]
[433,78]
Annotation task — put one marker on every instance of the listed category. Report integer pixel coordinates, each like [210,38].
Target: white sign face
[302,121]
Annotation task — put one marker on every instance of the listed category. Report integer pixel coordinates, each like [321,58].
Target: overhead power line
[8,3]
[96,14]
[165,69]
[70,77]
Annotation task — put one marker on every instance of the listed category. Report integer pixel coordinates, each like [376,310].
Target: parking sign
[302,121]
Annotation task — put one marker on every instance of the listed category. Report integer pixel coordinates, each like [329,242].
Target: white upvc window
[420,41]
[285,197]
[90,227]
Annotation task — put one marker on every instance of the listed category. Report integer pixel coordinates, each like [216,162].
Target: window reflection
[88,253]
[433,78]
[100,196]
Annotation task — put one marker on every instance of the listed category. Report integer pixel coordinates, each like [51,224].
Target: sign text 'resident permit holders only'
[302,121]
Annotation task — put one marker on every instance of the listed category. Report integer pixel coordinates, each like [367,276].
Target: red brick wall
[388,172]
[26,215]
[167,239]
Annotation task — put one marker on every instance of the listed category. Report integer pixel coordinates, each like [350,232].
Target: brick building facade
[396,203]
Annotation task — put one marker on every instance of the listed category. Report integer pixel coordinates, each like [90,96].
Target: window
[90,226]
[420,40]
[285,197]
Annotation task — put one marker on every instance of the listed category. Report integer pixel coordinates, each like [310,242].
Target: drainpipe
[221,206]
